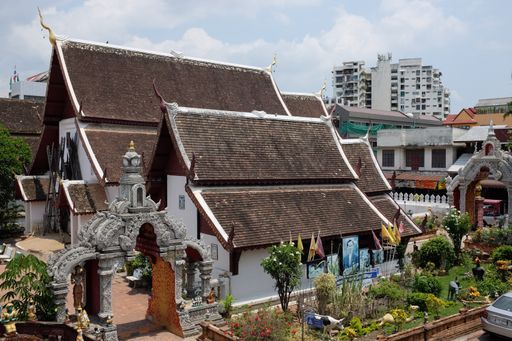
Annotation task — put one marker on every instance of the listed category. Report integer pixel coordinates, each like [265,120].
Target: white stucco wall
[252,284]
[175,188]
[35,215]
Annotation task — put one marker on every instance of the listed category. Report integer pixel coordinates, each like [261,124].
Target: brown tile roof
[304,105]
[115,83]
[21,116]
[267,215]
[370,177]
[388,207]
[85,198]
[256,148]
[413,176]
[33,188]
[32,141]
[109,143]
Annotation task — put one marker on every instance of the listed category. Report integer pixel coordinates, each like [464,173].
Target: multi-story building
[33,88]
[352,84]
[406,86]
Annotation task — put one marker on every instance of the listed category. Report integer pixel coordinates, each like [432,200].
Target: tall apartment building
[406,86]
[352,84]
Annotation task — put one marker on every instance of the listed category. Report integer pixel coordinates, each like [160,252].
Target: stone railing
[414,203]
[446,328]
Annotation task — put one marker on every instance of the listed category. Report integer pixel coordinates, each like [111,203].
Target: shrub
[493,235]
[502,253]
[492,285]
[418,298]
[144,263]
[437,250]
[348,298]
[389,290]
[426,283]
[325,287]
[264,324]
[435,304]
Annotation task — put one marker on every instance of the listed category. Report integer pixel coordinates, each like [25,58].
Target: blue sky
[470,40]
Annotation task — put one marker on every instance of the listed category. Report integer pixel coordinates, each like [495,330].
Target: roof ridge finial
[163,107]
[322,89]
[270,68]
[51,36]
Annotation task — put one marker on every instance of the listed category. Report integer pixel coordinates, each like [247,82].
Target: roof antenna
[163,107]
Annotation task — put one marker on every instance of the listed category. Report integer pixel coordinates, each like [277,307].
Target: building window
[414,158]
[388,158]
[181,202]
[438,158]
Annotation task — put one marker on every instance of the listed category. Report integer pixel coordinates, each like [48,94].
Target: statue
[453,289]
[8,318]
[83,319]
[211,297]
[77,279]
[478,271]
[31,311]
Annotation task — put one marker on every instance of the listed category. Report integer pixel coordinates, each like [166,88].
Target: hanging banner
[350,251]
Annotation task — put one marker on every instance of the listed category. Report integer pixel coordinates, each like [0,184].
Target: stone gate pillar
[106,271]
[60,291]
[509,197]
[205,270]
[462,200]
[191,276]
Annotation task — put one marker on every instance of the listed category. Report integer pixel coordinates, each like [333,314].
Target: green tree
[26,279]
[457,225]
[14,155]
[283,265]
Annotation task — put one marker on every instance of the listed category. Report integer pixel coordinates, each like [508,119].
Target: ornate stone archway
[110,237]
[490,157]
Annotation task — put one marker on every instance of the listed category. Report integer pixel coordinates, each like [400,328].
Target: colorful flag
[401,227]
[319,250]
[385,234]
[396,234]
[300,247]
[312,248]
[376,241]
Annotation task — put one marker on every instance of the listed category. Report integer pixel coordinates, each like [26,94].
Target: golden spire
[131,146]
[270,68]
[51,36]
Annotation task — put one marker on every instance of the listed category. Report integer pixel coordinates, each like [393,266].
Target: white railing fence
[415,204]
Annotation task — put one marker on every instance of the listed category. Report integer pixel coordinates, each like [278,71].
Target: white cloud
[303,63]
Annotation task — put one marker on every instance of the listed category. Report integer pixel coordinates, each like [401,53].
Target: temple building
[241,164]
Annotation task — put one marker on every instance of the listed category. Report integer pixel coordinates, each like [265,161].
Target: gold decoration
[9,318]
[51,36]
[32,311]
[131,146]
[478,190]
